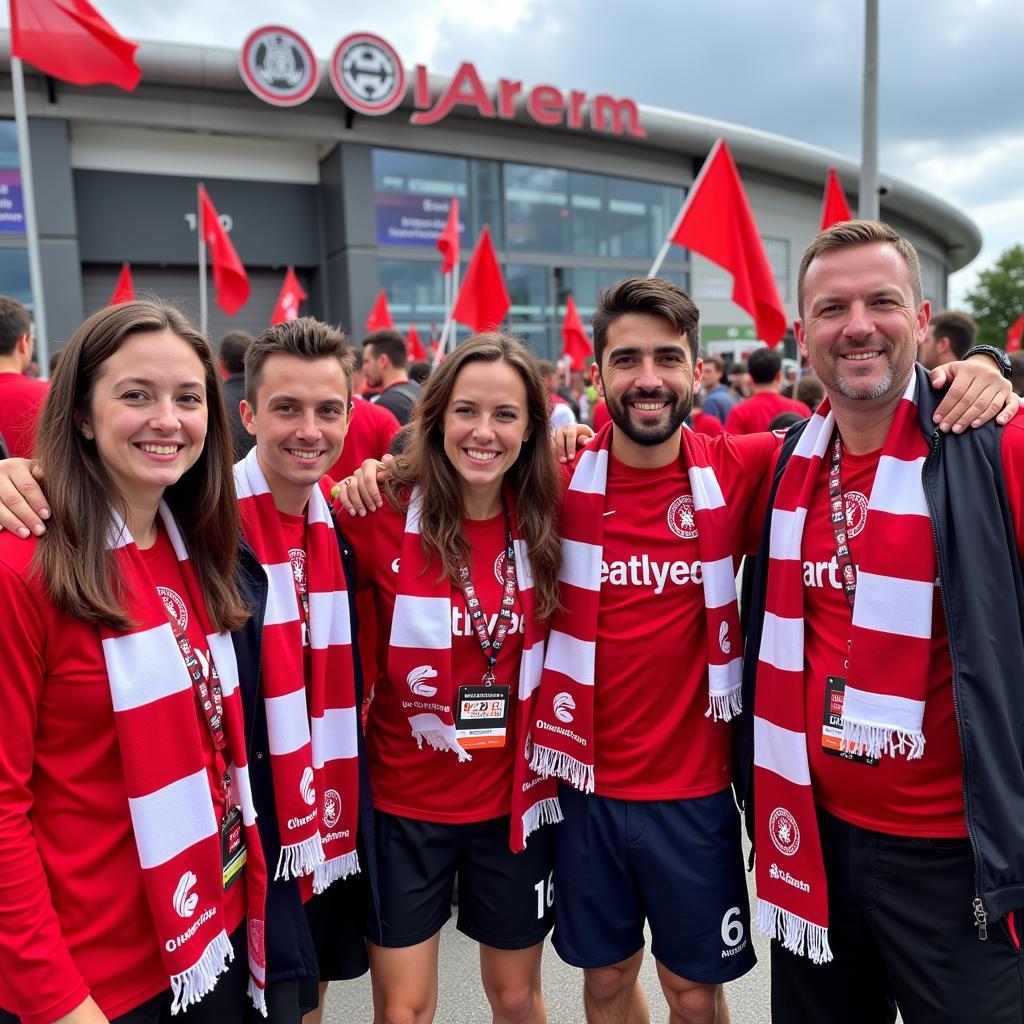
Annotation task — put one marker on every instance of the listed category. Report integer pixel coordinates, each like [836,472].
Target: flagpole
[35,267]
[202,264]
[452,328]
[868,205]
[663,252]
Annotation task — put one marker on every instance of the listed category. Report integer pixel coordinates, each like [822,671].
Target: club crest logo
[417,680]
[298,559]
[785,832]
[306,787]
[332,808]
[682,519]
[279,66]
[856,513]
[175,607]
[368,74]
[563,706]
[185,900]
[499,568]
[723,638]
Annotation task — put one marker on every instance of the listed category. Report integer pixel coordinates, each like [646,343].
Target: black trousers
[901,929]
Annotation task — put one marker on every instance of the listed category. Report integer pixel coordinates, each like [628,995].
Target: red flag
[834,207]
[380,315]
[124,290]
[230,281]
[69,40]
[575,343]
[415,346]
[717,222]
[483,299]
[448,242]
[1015,335]
[292,294]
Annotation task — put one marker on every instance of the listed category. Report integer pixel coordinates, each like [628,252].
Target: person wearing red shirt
[753,414]
[21,396]
[463,562]
[105,910]
[889,865]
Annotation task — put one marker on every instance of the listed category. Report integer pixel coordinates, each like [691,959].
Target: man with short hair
[950,335]
[21,396]
[754,414]
[231,351]
[385,358]
[718,398]
[883,674]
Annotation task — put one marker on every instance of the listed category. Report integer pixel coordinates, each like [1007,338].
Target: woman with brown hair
[463,559]
[129,861]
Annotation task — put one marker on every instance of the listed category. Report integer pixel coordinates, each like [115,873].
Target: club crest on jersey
[682,519]
[856,513]
[298,559]
[332,808]
[785,832]
[175,607]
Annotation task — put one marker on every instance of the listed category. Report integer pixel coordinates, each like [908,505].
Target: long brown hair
[532,479]
[77,569]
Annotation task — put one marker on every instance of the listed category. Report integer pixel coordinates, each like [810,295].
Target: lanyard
[211,695]
[491,646]
[837,516]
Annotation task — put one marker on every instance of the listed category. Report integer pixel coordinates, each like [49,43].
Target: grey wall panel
[51,165]
[62,287]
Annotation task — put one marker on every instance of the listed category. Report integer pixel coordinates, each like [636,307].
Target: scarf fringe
[439,741]
[334,870]
[797,935]
[300,858]
[258,996]
[557,763]
[190,986]
[546,812]
[724,707]
[876,740]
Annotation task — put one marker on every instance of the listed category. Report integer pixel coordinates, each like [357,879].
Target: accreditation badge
[481,716]
[832,722]
[232,847]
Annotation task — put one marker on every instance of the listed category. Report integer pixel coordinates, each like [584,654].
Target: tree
[998,297]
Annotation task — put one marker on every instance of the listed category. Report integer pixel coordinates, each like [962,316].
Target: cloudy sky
[952,71]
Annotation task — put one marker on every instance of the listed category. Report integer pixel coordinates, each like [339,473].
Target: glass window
[933,280]
[14,279]
[415,291]
[536,208]
[639,217]
[528,290]
[777,251]
[585,284]
[485,203]
[12,210]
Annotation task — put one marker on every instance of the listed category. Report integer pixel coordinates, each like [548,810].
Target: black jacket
[233,390]
[983,602]
[290,952]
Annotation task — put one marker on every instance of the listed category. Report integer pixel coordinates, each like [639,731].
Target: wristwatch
[1001,358]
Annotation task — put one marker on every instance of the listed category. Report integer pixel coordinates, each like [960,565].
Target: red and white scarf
[890,643]
[563,733]
[420,661]
[313,737]
[177,828]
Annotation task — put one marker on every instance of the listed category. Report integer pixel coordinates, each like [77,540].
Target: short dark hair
[958,327]
[546,367]
[232,349]
[307,338]
[651,295]
[763,365]
[420,371]
[717,362]
[388,343]
[14,323]
[810,390]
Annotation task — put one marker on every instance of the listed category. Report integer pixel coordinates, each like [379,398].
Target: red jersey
[428,784]
[756,413]
[923,797]
[21,399]
[76,919]
[705,423]
[371,429]
[600,415]
[652,741]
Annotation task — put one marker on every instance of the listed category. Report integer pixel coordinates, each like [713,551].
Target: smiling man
[887,732]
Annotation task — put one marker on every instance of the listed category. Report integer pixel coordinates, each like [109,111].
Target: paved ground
[462,999]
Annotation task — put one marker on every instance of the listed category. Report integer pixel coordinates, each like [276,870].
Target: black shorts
[504,897]
[901,930]
[676,863]
[337,921]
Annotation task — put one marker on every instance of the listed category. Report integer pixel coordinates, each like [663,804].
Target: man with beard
[883,671]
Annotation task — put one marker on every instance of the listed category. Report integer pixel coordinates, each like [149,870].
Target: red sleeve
[39,979]
[736,421]
[359,531]
[1013,472]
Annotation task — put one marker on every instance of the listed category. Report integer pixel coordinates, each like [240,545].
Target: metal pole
[868,201]
[202,264]
[35,267]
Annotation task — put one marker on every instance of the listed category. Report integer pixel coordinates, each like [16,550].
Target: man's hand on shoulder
[23,506]
[977,393]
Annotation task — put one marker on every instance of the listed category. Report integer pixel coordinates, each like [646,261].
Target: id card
[481,716]
[232,847]
[832,722]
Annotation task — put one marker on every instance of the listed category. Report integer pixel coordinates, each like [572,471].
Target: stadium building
[345,168]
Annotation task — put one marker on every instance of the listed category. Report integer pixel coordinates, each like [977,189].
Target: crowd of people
[270,696]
